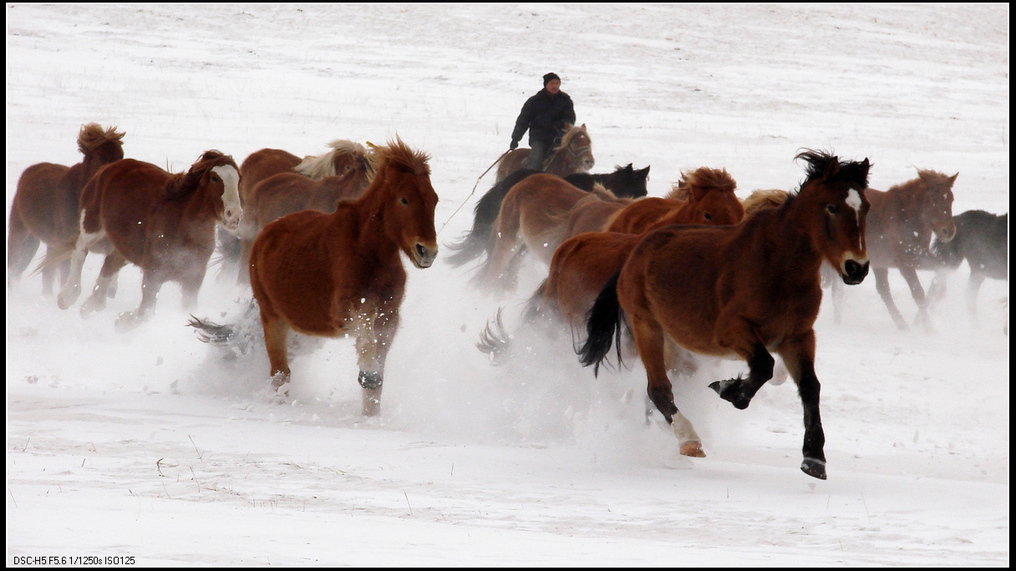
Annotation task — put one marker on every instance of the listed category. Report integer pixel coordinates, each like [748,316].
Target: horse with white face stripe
[136,212]
[741,292]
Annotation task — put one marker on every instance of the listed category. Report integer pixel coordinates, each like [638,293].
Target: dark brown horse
[740,292]
[288,192]
[901,225]
[624,182]
[45,207]
[982,239]
[344,156]
[341,273]
[572,155]
[136,212]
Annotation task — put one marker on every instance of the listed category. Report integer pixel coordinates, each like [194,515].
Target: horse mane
[570,132]
[182,185]
[320,166]
[704,178]
[819,163]
[762,199]
[396,153]
[92,136]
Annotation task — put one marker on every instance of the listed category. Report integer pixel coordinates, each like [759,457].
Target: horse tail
[235,338]
[50,260]
[495,341]
[603,325]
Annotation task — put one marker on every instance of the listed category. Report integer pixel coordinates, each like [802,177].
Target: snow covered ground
[151,446]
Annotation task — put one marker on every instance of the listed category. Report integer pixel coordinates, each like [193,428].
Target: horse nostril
[421,251]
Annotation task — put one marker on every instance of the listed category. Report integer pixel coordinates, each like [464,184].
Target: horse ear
[952,179]
[831,168]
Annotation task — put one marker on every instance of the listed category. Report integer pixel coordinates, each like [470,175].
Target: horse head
[836,209]
[576,148]
[936,209]
[410,201]
[709,197]
[219,176]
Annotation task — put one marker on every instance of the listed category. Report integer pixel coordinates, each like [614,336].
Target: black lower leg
[370,380]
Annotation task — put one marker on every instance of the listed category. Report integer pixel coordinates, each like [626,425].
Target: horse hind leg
[276,343]
[884,291]
[917,291]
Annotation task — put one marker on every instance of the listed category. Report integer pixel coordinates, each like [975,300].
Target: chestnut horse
[343,157]
[901,225]
[45,207]
[583,263]
[623,182]
[289,192]
[702,196]
[336,274]
[136,212]
[740,292]
[574,153]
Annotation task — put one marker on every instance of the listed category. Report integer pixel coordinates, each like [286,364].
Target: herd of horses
[320,242]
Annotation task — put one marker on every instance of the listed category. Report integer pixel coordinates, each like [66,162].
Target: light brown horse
[533,217]
[901,225]
[703,196]
[136,212]
[344,156]
[45,206]
[741,292]
[341,273]
[288,192]
[573,154]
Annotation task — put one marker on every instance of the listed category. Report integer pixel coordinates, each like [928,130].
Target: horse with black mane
[740,291]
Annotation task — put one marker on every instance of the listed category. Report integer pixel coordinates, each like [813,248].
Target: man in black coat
[545,115]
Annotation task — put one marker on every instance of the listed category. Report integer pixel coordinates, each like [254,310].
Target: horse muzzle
[231,219]
[854,272]
[424,256]
[947,233]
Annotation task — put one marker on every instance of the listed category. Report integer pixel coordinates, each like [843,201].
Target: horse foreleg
[372,345]
[882,286]
[740,391]
[973,287]
[649,338]
[800,361]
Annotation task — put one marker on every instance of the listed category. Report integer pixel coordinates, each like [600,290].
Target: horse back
[46,202]
[262,164]
[120,200]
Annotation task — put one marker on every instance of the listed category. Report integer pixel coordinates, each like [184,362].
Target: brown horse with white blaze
[136,212]
[341,273]
[741,292]
[45,207]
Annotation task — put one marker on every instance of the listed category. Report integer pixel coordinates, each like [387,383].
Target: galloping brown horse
[136,212]
[703,196]
[740,292]
[45,207]
[344,156]
[288,192]
[901,225]
[341,273]
[573,154]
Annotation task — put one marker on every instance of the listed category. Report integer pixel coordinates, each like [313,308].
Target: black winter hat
[550,76]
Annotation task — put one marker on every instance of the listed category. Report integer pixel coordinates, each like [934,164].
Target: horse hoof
[692,448]
[814,468]
[720,386]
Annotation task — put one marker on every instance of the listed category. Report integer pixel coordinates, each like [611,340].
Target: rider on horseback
[545,115]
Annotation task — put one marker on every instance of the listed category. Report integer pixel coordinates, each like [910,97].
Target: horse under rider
[545,115]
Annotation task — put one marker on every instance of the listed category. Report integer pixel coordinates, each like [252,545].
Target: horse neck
[369,212]
[78,175]
[563,162]
[335,188]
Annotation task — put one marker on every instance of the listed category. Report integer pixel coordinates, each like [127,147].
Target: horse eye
[404,201]
[215,178]
[708,216]
[831,209]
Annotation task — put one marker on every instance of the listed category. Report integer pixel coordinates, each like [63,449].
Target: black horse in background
[982,239]
[624,182]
